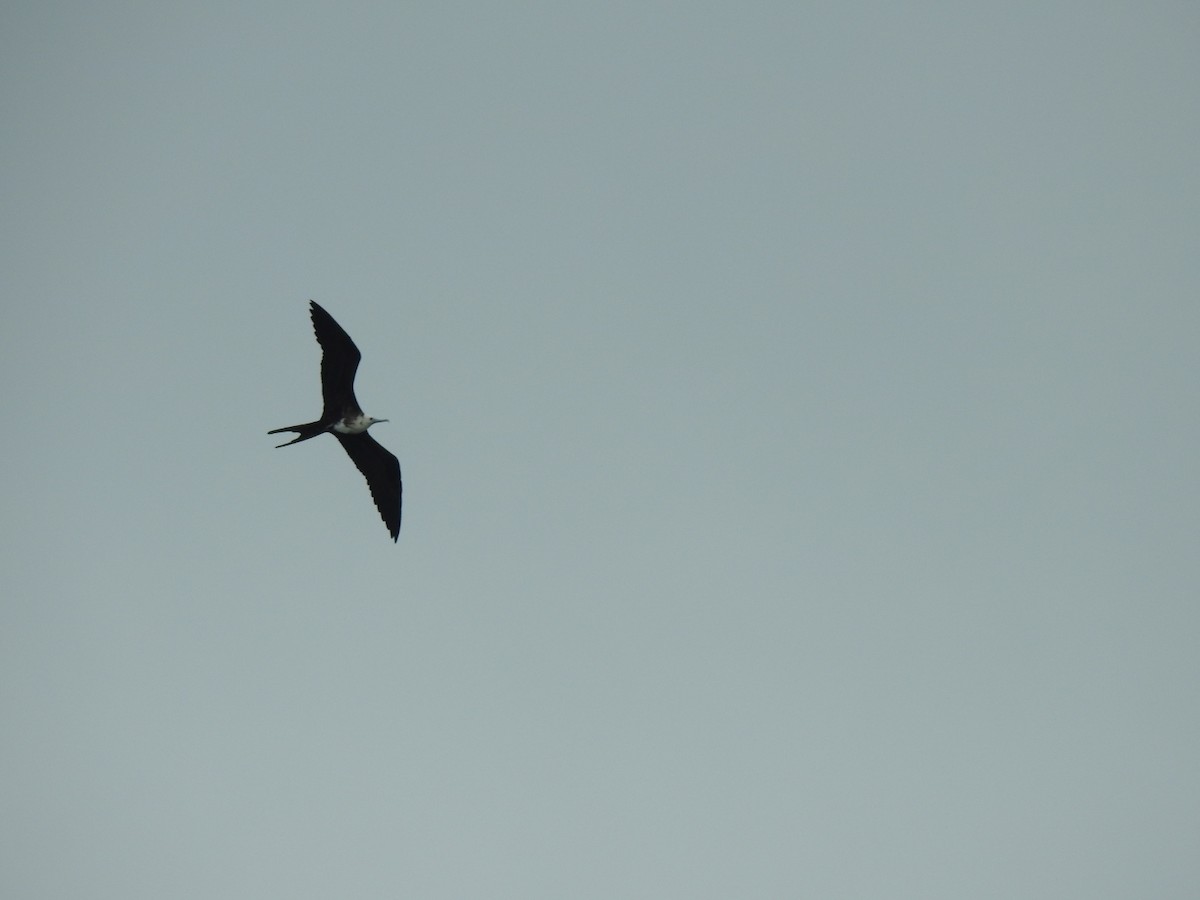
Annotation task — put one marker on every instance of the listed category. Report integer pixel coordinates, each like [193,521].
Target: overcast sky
[797,404]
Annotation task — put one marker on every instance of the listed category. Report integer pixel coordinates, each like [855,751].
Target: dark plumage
[343,418]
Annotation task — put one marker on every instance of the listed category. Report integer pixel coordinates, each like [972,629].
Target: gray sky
[797,409]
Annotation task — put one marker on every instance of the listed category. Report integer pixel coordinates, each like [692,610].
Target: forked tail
[306,431]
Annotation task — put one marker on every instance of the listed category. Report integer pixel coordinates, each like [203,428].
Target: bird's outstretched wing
[382,471]
[339,363]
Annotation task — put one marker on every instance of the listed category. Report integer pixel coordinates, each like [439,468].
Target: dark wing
[339,363]
[382,471]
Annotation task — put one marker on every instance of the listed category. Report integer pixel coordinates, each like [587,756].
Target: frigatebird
[343,418]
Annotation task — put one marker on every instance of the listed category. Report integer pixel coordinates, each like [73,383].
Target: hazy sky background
[797,405]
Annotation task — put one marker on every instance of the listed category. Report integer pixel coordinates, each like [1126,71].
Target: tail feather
[306,431]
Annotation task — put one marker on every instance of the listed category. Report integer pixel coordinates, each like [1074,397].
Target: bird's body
[344,419]
[355,424]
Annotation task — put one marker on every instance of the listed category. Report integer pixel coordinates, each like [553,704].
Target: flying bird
[343,418]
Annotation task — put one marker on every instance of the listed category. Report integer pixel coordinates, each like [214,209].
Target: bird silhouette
[343,418]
